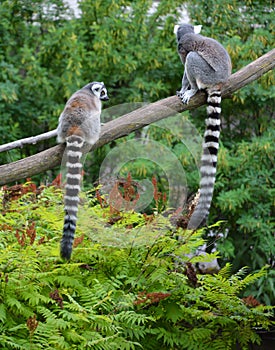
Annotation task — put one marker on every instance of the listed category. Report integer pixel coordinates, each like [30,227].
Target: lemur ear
[176,28]
[197,29]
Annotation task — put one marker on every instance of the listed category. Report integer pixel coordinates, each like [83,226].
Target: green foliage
[34,55]
[246,199]
[133,50]
[124,288]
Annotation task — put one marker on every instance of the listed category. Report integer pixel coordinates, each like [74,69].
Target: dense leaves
[246,200]
[126,287]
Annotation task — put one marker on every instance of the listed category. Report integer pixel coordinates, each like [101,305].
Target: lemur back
[207,66]
[79,123]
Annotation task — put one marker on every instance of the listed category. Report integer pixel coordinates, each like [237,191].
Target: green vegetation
[245,199]
[130,284]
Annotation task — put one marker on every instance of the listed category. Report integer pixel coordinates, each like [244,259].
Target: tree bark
[137,119]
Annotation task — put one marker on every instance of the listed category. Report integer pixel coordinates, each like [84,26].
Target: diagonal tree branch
[29,140]
[137,119]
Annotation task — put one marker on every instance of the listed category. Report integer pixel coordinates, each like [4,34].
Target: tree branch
[29,140]
[137,119]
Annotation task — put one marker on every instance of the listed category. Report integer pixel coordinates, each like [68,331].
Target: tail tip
[67,240]
[197,221]
[65,253]
[66,248]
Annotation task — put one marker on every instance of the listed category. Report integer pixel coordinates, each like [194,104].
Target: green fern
[129,291]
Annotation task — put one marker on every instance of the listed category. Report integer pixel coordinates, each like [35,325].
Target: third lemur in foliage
[79,123]
[207,66]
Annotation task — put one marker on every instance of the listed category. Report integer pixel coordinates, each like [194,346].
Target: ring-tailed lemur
[79,123]
[207,65]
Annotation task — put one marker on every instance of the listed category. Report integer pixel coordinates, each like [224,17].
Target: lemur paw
[180,94]
[186,95]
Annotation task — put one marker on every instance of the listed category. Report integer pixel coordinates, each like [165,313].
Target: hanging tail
[72,189]
[208,159]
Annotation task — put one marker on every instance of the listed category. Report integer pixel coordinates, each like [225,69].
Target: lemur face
[100,91]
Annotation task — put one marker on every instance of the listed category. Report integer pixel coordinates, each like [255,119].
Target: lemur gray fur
[79,123]
[207,66]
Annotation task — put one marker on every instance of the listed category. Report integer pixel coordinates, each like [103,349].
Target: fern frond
[3,314]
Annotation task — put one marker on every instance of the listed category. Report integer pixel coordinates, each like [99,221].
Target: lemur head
[98,89]
[183,29]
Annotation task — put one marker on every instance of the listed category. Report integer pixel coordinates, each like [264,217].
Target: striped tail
[72,189]
[209,160]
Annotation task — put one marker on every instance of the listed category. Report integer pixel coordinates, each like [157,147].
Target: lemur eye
[102,93]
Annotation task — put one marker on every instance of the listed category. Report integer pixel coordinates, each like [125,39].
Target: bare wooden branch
[137,119]
[29,140]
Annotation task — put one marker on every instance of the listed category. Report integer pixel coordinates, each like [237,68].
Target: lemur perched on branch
[79,123]
[207,66]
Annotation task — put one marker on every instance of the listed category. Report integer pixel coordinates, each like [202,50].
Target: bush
[245,199]
[129,285]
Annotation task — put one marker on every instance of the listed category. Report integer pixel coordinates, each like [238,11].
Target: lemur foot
[186,95]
